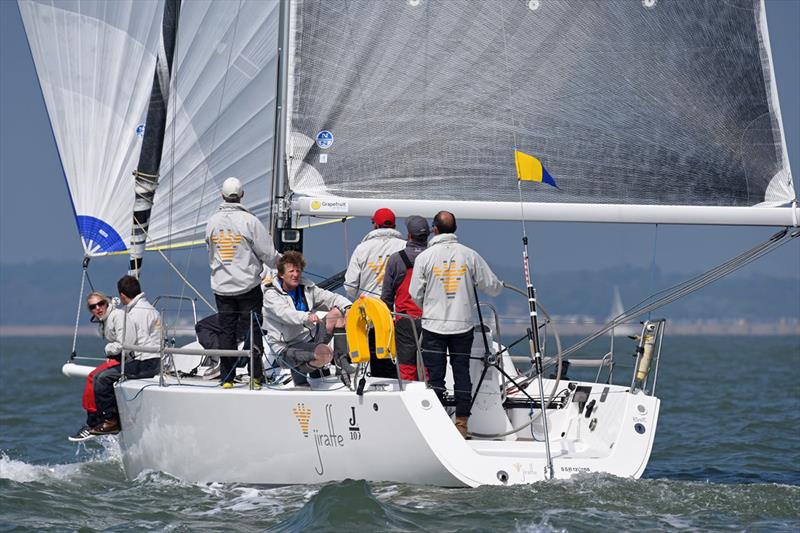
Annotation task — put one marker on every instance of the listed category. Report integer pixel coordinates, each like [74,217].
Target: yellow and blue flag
[530,168]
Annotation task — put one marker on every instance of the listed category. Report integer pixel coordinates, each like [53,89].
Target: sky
[36,220]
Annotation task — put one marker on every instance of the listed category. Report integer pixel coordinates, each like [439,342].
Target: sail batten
[626,104]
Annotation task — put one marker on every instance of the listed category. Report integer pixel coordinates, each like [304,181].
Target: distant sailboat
[622,330]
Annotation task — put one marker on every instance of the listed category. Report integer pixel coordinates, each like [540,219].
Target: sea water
[726,458]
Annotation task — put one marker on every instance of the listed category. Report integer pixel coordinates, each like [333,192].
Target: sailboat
[617,309]
[642,111]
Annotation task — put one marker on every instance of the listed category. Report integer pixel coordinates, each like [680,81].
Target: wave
[23,472]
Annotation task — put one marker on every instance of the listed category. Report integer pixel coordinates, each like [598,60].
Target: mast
[147,170]
[284,237]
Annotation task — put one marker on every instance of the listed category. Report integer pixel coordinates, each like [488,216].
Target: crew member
[295,333]
[109,324]
[238,248]
[396,280]
[442,284]
[366,268]
[141,324]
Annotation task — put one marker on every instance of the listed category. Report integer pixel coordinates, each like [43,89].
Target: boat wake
[24,472]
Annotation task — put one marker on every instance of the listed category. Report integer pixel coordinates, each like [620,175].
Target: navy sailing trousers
[232,310]
[104,384]
[435,350]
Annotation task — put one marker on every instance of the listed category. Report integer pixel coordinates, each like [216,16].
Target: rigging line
[214,136]
[173,99]
[73,353]
[653,265]
[682,289]
[177,270]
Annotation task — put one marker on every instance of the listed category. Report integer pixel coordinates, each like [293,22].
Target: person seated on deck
[141,324]
[296,334]
[109,325]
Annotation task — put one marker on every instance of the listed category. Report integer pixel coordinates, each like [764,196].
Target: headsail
[95,64]
[662,111]
[221,117]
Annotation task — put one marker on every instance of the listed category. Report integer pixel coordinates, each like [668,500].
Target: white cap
[232,189]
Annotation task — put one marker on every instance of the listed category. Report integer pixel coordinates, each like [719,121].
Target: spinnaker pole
[147,170]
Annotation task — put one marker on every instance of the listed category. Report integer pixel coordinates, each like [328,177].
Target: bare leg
[334,319]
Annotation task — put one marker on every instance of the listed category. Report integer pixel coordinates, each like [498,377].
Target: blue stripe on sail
[99,236]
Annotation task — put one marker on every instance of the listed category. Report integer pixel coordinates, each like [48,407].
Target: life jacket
[403,302]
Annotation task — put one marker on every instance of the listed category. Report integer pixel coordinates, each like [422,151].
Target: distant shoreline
[697,327]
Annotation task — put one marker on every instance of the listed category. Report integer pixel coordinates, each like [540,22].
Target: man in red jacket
[395,293]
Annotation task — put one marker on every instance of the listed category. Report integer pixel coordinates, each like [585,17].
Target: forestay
[662,111]
[95,63]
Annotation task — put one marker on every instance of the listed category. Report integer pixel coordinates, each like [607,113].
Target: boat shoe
[108,427]
[82,434]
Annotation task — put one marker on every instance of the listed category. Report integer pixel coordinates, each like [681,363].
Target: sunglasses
[93,306]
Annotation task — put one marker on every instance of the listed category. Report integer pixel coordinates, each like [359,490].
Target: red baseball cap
[384,218]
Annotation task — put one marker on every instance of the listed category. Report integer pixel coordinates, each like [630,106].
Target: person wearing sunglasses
[109,320]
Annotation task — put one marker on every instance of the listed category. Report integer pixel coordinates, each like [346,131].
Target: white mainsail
[642,112]
[95,63]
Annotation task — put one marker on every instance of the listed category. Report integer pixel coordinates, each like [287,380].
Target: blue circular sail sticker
[324,139]
[140,130]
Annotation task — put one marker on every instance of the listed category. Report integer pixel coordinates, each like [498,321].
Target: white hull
[202,433]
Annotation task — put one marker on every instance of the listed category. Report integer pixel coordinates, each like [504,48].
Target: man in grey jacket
[295,332]
[443,283]
[238,248]
[368,262]
[142,327]
[366,269]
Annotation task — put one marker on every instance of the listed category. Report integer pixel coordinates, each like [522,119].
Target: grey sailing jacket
[442,284]
[238,247]
[365,270]
[142,326]
[286,325]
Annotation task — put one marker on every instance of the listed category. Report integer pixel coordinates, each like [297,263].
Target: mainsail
[95,63]
[642,111]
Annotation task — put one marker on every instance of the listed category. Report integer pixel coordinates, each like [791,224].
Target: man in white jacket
[366,269]
[443,282]
[141,326]
[238,248]
[295,333]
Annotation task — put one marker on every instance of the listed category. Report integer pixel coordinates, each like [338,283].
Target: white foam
[23,472]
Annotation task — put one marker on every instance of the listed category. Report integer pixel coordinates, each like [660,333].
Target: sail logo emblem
[227,244]
[324,139]
[303,416]
[329,206]
[140,130]
[450,276]
[378,267]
